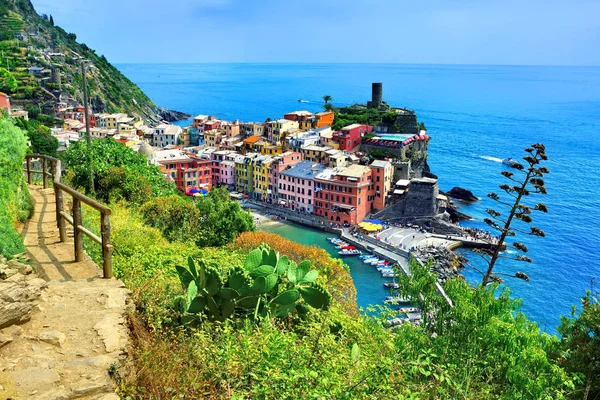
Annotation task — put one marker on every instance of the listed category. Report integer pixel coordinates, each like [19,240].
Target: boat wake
[495,159]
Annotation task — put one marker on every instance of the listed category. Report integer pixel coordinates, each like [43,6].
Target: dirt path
[77,334]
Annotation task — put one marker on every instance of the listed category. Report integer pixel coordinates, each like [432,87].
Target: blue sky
[517,32]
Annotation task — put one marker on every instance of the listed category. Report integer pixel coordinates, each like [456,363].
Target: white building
[166,135]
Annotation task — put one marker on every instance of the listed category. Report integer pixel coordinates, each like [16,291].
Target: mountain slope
[30,40]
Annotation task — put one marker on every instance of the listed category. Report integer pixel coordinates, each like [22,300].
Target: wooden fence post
[106,247]
[29,171]
[77,234]
[62,228]
[44,176]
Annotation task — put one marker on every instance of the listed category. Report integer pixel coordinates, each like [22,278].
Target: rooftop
[201,116]
[300,113]
[304,170]
[380,164]
[354,171]
[314,147]
[353,126]
[252,139]
[171,155]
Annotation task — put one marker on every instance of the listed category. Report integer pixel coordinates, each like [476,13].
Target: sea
[476,115]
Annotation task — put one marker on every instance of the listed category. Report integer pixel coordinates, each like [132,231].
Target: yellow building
[262,186]
[244,173]
[315,153]
[271,150]
[212,138]
[277,129]
[111,120]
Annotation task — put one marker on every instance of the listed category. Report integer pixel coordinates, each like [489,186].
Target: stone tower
[376,95]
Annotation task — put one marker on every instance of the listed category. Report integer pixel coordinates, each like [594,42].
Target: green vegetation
[356,115]
[267,285]
[20,49]
[247,317]
[15,201]
[579,351]
[8,83]
[42,141]
[530,182]
[133,180]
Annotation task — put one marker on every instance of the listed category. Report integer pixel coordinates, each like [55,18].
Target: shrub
[118,184]
[333,273]
[176,217]
[13,191]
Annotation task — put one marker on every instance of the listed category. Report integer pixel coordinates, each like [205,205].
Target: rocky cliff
[45,61]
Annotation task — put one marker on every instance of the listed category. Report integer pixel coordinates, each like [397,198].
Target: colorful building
[324,118]
[296,186]
[280,162]
[349,137]
[4,102]
[276,130]
[262,166]
[344,195]
[383,175]
[252,129]
[188,172]
[315,153]
[299,116]
[223,167]
[164,135]
[244,173]
[199,119]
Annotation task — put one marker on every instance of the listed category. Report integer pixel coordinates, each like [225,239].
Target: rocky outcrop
[462,194]
[170,115]
[19,292]
[456,215]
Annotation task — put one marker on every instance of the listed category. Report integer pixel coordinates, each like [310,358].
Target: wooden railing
[51,167]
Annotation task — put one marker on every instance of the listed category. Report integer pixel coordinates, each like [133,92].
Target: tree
[72,36]
[105,154]
[8,83]
[531,183]
[422,126]
[51,20]
[327,98]
[40,136]
[328,106]
[222,219]
[580,346]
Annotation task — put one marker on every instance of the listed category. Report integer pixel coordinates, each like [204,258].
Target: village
[297,163]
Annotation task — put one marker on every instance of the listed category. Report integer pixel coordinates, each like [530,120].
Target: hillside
[45,62]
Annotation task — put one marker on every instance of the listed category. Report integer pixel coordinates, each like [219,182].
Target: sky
[513,32]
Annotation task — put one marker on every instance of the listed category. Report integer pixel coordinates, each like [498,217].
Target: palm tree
[327,98]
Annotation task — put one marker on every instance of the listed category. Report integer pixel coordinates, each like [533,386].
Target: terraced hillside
[45,61]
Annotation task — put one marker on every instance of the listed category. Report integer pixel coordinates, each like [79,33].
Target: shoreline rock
[171,115]
[462,194]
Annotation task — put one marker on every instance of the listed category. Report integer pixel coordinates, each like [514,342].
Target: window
[359,200]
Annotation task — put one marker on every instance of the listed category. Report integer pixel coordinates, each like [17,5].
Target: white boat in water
[395,300]
[352,252]
[509,161]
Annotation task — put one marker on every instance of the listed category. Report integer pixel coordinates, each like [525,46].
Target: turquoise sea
[476,116]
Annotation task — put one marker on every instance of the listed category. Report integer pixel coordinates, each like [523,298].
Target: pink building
[349,137]
[223,167]
[296,186]
[280,162]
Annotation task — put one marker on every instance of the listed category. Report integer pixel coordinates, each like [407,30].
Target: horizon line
[354,63]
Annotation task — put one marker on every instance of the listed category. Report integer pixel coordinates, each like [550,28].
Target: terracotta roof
[252,139]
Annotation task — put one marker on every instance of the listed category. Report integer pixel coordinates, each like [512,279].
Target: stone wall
[419,202]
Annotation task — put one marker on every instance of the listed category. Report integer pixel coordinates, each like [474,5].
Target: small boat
[390,285]
[374,261]
[395,300]
[366,256]
[388,274]
[350,252]
[368,260]
[409,309]
[302,101]
[509,161]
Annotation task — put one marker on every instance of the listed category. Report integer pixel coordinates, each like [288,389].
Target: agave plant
[267,285]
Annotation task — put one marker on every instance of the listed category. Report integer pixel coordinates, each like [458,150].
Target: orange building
[4,102]
[344,195]
[324,118]
[383,173]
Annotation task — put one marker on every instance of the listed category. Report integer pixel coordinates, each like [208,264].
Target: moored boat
[395,300]
[350,252]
